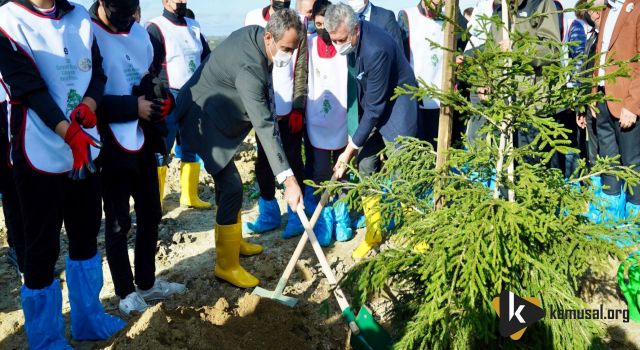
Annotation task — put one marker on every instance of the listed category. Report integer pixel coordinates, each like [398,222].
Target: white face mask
[281,58]
[346,48]
[357,5]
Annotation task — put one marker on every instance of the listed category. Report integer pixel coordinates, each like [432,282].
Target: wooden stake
[446,112]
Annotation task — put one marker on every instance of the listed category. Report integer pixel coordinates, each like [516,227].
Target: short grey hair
[283,20]
[338,14]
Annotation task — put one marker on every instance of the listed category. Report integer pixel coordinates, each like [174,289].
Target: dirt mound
[254,323]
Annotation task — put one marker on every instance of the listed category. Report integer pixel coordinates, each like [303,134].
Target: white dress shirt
[607,32]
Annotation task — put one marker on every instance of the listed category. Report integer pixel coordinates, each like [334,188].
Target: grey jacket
[228,95]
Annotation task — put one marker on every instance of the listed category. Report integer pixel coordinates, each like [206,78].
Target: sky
[221,17]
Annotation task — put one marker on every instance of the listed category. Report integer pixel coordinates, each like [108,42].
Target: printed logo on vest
[84,64]
[73,100]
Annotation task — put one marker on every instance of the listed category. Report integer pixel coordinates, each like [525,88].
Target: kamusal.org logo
[588,314]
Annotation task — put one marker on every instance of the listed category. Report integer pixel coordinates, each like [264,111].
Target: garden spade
[277,293]
[366,333]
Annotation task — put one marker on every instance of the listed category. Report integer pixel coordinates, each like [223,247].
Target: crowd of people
[95,102]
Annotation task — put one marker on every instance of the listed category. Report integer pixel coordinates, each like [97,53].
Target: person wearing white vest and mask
[290,92]
[418,24]
[129,109]
[55,82]
[179,47]
[326,122]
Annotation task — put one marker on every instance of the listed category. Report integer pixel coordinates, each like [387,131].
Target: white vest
[327,99]
[282,77]
[61,52]
[182,47]
[425,60]
[126,59]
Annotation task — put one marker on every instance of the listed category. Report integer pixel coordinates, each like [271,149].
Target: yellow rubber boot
[228,239]
[246,248]
[189,179]
[162,176]
[373,237]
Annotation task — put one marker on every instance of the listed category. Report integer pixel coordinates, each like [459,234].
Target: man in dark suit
[380,67]
[230,94]
[379,16]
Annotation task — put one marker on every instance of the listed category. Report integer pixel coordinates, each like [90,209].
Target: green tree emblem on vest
[326,106]
[435,59]
[73,100]
[192,66]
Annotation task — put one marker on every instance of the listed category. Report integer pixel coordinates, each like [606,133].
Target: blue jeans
[188,155]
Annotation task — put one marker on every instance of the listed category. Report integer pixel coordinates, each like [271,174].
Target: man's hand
[343,160]
[505,45]
[145,108]
[482,93]
[627,119]
[292,193]
[581,120]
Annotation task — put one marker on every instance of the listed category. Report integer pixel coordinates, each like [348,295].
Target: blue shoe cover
[343,222]
[633,236]
[294,225]
[88,319]
[310,200]
[268,217]
[43,321]
[324,227]
[614,208]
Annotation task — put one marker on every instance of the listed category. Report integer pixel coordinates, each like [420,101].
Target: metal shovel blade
[279,297]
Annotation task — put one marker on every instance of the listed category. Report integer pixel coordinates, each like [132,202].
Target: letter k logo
[522,312]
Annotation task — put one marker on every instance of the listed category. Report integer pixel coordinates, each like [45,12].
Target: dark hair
[190,14]
[468,11]
[319,8]
[581,10]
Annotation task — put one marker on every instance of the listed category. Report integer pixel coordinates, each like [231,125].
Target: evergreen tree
[508,222]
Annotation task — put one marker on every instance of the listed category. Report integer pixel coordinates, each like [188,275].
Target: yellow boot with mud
[373,236]
[189,179]
[162,176]
[246,248]
[228,239]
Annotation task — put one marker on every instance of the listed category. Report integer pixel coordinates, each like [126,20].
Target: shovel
[366,333]
[277,293]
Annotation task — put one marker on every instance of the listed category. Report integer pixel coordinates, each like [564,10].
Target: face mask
[345,48]
[121,20]
[280,5]
[357,5]
[281,58]
[181,9]
[324,35]
[589,20]
[311,27]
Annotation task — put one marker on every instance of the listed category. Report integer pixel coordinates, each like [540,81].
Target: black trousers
[369,161]
[588,140]
[292,144]
[567,163]
[126,175]
[613,141]
[228,186]
[10,202]
[428,122]
[46,201]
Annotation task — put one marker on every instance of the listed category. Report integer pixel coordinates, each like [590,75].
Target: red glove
[84,115]
[166,105]
[79,142]
[295,121]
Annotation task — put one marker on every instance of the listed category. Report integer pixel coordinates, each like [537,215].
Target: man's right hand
[80,143]
[292,193]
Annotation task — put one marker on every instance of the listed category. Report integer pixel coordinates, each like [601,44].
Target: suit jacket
[386,20]
[624,44]
[228,95]
[380,67]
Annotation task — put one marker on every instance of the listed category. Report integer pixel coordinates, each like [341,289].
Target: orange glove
[295,121]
